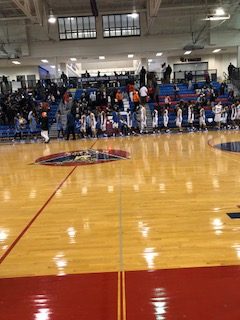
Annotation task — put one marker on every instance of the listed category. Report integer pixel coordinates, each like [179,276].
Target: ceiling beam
[38,6]
[152,12]
[24,6]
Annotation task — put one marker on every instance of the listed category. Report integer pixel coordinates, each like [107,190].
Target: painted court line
[3,257]
[7,252]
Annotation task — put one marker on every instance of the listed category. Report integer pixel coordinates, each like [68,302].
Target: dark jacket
[44,123]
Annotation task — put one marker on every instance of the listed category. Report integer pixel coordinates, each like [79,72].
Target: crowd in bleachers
[20,112]
[120,111]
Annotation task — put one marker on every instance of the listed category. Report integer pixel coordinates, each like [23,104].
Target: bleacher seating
[8,131]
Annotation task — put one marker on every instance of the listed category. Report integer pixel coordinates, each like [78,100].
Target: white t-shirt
[143,91]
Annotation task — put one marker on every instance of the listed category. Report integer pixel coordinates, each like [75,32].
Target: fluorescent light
[220,11]
[187,52]
[51,17]
[101,57]
[130,55]
[216,50]
[44,60]
[134,15]
[159,54]
[150,60]
[217,18]
[53,67]
[16,62]
[73,59]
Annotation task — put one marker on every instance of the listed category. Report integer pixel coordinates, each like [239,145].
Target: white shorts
[179,122]
[202,121]
[217,117]
[165,121]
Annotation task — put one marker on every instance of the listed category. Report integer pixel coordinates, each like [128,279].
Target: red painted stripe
[3,257]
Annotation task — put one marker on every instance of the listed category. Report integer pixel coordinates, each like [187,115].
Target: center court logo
[82,157]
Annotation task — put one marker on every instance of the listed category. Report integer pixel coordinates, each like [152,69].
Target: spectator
[231,69]
[70,127]
[143,76]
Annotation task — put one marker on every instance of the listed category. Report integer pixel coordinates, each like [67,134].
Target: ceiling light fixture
[150,60]
[51,17]
[220,11]
[159,54]
[44,60]
[216,50]
[53,67]
[130,55]
[134,15]
[16,62]
[187,52]
[217,18]
[73,59]
[101,57]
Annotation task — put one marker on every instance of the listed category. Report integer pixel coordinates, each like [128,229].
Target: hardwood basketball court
[146,236]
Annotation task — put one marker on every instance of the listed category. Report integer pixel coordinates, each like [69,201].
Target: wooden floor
[141,238]
[165,207]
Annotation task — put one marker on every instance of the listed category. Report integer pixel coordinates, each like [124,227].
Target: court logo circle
[83,157]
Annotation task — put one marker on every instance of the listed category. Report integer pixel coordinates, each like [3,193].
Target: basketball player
[218,114]
[202,119]
[233,116]
[155,120]
[83,125]
[190,116]
[165,120]
[238,114]
[179,119]
[103,122]
[93,124]
[224,118]
[44,127]
[115,118]
[143,119]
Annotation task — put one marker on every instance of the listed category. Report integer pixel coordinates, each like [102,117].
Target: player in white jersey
[83,125]
[233,115]
[190,115]
[202,118]
[155,120]
[93,124]
[238,113]
[218,114]
[179,119]
[165,119]
[129,121]
[143,118]
[103,122]
[224,117]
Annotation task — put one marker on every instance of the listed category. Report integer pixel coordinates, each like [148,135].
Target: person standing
[143,94]
[202,119]
[143,76]
[168,73]
[155,120]
[179,119]
[103,122]
[93,124]
[59,124]
[218,114]
[70,128]
[143,119]
[230,70]
[190,116]
[32,118]
[165,119]
[44,126]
